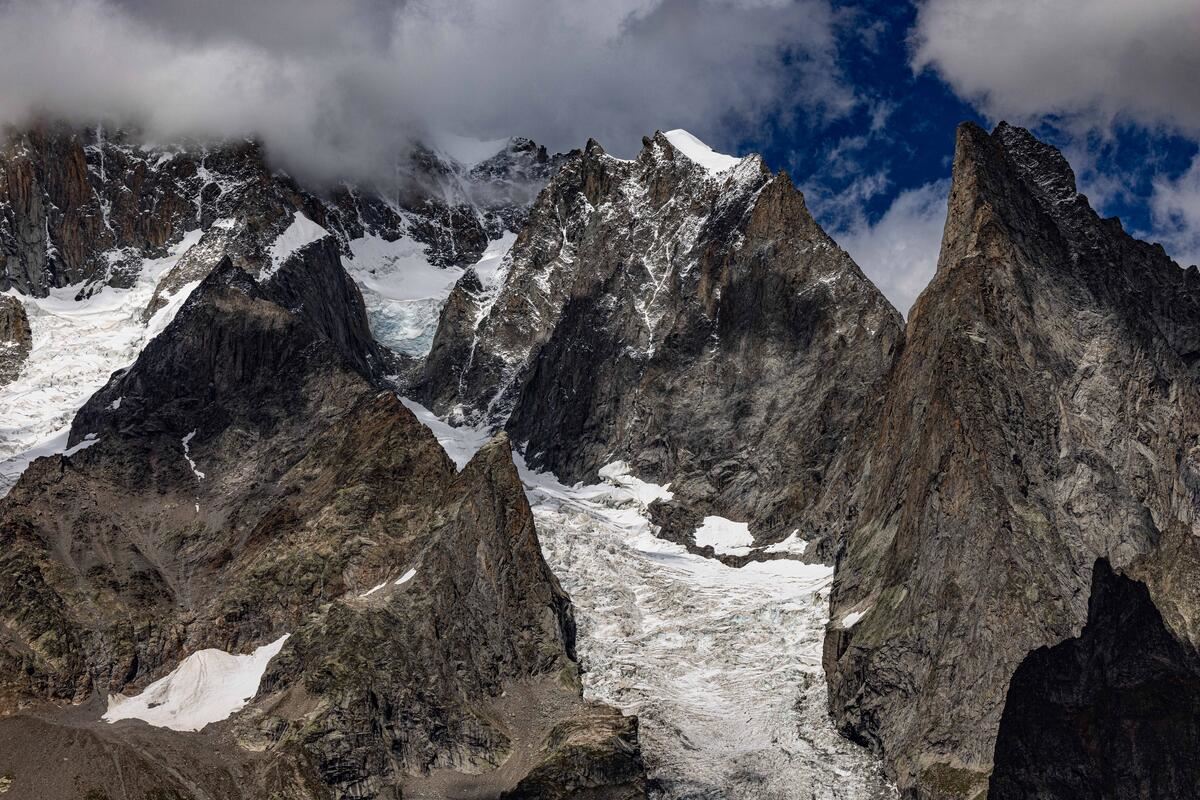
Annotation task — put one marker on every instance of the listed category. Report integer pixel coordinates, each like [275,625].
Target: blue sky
[876,174]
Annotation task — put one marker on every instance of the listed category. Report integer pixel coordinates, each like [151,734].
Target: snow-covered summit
[699,152]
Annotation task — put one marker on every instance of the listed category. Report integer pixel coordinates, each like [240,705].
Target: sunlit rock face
[1041,416]
[684,313]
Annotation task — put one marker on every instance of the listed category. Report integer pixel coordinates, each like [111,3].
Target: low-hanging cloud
[335,90]
[1175,210]
[1087,67]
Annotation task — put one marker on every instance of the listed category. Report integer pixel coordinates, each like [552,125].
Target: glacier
[721,664]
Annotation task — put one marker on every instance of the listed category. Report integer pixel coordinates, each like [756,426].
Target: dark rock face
[700,326]
[15,338]
[87,206]
[248,478]
[1041,416]
[466,667]
[1113,713]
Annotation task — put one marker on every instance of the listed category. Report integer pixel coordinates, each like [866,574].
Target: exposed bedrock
[1113,714]
[1042,415]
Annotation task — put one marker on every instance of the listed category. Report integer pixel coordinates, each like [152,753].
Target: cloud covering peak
[337,89]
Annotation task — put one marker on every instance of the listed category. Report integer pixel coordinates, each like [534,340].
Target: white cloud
[1175,209]
[338,88]
[1091,61]
[899,252]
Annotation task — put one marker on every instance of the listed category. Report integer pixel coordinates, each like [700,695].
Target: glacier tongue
[404,293]
[721,664]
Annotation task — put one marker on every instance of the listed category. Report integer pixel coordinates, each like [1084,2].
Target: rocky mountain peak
[88,205]
[636,284]
[1005,429]
[246,479]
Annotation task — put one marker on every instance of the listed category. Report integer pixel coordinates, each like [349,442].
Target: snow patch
[373,590]
[725,536]
[301,232]
[207,686]
[406,577]
[852,618]
[187,453]
[699,152]
[792,545]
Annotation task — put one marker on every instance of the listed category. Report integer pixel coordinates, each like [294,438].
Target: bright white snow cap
[699,152]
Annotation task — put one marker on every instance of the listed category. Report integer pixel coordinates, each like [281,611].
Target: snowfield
[207,686]
[722,665]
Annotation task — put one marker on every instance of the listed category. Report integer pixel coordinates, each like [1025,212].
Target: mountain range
[570,476]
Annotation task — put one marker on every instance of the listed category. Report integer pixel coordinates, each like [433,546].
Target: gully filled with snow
[721,664]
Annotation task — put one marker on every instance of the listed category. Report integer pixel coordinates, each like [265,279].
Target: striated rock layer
[698,324]
[1042,415]
[247,478]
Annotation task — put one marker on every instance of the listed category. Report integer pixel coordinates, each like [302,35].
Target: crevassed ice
[721,664]
[76,345]
[404,293]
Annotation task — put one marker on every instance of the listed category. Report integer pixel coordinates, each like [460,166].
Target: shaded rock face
[466,668]
[15,337]
[1112,713]
[247,478]
[700,326]
[1041,416]
[87,206]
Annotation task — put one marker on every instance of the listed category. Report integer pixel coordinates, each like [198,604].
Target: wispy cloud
[899,251]
[1175,206]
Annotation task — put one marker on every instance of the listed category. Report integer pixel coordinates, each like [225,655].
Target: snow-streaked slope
[207,686]
[300,232]
[77,344]
[699,152]
[404,293]
[721,664]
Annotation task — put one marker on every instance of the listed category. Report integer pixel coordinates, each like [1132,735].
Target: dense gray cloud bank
[335,89]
